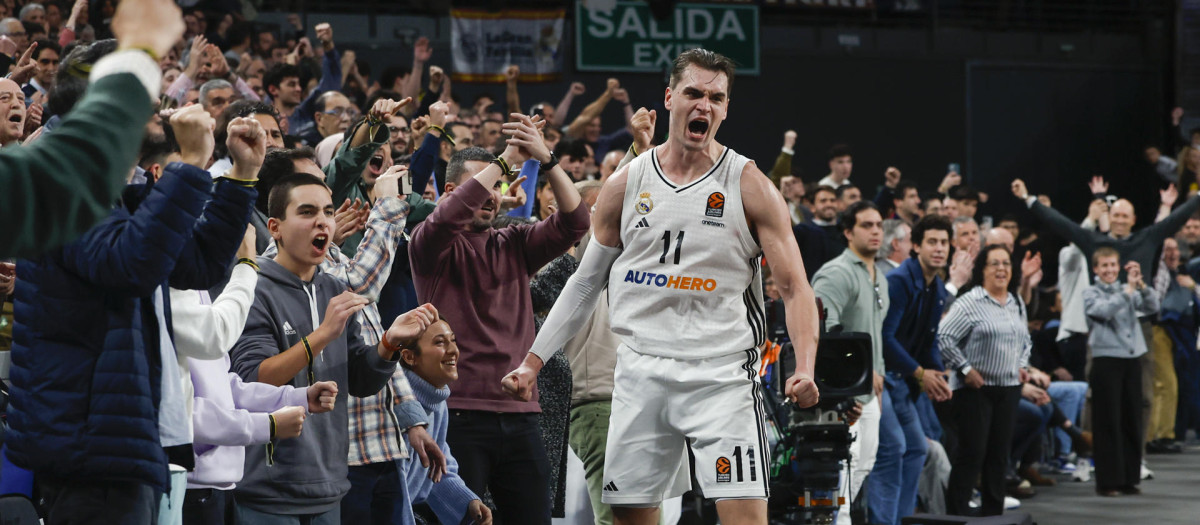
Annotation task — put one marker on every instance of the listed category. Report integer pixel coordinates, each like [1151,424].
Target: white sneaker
[976,499]
[1147,473]
[1083,471]
[1011,503]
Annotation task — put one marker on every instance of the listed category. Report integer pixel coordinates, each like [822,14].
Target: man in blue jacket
[92,324]
[911,357]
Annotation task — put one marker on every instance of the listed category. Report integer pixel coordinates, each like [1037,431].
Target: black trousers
[1117,421]
[99,503]
[504,454]
[207,507]
[985,418]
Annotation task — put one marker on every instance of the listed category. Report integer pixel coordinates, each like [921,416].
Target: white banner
[485,43]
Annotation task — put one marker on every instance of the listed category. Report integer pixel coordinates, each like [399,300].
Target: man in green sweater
[60,186]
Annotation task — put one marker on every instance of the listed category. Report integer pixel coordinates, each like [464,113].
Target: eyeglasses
[398,129]
[999,264]
[338,112]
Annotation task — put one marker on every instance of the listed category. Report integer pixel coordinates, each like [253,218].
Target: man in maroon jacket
[478,278]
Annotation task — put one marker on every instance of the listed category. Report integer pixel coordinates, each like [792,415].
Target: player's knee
[635,515]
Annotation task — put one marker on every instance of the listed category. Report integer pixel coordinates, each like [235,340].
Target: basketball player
[681,255]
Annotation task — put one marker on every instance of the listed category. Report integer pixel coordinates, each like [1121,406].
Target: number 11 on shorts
[726,472]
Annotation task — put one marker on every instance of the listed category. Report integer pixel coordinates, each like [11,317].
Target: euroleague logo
[723,470]
[716,205]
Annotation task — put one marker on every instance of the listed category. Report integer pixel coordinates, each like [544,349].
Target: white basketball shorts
[664,408]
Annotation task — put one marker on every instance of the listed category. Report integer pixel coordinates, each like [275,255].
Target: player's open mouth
[697,128]
[15,118]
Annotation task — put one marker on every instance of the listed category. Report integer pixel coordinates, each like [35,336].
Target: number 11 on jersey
[667,246]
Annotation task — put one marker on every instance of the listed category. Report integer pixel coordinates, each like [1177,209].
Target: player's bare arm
[770,222]
[578,298]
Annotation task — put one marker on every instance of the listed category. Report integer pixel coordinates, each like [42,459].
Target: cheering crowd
[303,303]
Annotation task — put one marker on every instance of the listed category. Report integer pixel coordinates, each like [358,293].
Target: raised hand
[339,311]
[512,73]
[325,35]
[436,77]
[148,24]
[419,126]
[322,396]
[621,95]
[1019,190]
[891,177]
[386,107]
[248,248]
[1098,185]
[349,219]
[951,180]
[612,85]
[643,128]
[409,326]
[438,113]
[193,128]
[25,68]
[33,118]
[577,88]
[789,139]
[388,184]
[525,139]
[1168,196]
[247,143]
[961,267]
[422,51]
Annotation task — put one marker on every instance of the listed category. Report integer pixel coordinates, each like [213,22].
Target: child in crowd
[1116,377]
[431,365]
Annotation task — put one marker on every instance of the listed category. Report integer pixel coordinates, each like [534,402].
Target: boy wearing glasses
[855,296]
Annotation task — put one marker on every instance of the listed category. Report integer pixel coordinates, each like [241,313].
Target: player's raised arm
[770,221]
[578,299]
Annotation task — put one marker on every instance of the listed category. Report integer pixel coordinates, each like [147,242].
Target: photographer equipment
[814,449]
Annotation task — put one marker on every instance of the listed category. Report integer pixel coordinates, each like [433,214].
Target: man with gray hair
[896,246]
[15,31]
[215,96]
[33,13]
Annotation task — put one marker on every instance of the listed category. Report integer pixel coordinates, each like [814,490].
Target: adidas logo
[287,329]
[641,224]
[612,487]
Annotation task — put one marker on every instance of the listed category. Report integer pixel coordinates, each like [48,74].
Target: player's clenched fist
[519,383]
[802,390]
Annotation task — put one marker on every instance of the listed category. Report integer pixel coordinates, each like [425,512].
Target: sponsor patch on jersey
[671,281]
[707,222]
[716,205]
[723,470]
[644,203]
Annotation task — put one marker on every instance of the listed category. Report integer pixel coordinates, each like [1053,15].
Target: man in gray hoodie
[288,342]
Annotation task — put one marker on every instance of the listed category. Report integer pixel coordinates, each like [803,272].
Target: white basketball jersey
[688,283]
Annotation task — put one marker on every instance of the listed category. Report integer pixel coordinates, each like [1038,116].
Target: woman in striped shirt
[984,337]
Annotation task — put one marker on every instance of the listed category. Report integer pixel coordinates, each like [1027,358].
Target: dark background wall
[1051,107]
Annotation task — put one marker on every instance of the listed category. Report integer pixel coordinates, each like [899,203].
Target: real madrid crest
[644,204]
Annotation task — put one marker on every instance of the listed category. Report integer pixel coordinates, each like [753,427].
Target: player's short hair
[820,188]
[703,59]
[850,215]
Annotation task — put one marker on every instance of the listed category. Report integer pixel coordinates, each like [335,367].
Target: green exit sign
[629,38]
